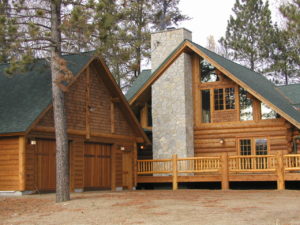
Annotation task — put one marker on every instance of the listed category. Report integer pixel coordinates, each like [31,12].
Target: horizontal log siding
[9,164]
[207,139]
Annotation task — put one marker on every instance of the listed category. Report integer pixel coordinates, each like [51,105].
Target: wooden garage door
[46,166]
[97,161]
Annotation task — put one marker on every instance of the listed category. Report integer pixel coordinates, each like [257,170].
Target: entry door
[97,161]
[127,169]
[46,166]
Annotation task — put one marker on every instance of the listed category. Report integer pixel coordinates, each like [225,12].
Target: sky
[209,17]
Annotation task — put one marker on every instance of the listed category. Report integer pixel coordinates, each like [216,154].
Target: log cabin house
[102,130]
[212,119]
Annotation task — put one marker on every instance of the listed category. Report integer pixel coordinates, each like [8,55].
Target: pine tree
[290,40]
[167,14]
[249,34]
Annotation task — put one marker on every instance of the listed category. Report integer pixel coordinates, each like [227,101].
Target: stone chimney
[172,100]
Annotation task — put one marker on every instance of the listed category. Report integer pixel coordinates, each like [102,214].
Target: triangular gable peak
[95,105]
[254,83]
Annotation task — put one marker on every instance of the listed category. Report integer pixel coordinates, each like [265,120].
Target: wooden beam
[174,167]
[112,117]
[93,134]
[22,161]
[280,171]
[135,164]
[113,167]
[196,91]
[88,104]
[144,116]
[225,175]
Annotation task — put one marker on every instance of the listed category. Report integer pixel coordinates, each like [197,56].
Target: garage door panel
[97,165]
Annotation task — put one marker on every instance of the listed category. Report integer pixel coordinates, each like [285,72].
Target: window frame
[224,98]
[253,144]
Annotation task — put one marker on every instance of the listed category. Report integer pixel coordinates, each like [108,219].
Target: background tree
[249,34]
[167,13]
[287,56]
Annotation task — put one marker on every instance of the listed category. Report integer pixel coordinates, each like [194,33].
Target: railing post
[174,164]
[280,172]
[225,169]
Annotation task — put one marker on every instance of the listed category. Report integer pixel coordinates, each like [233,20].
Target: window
[205,95]
[208,72]
[220,98]
[253,146]
[267,112]
[246,108]
[229,98]
[245,146]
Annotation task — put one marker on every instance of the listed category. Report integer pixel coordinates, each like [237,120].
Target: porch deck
[222,169]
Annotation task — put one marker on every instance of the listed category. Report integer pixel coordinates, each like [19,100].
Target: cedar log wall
[226,124]
[88,112]
[9,163]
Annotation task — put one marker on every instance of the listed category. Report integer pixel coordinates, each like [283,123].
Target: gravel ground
[165,207]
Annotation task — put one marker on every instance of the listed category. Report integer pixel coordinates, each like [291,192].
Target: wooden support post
[144,116]
[196,91]
[22,159]
[135,164]
[174,165]
[112,116]
[88,106]
[280,172]
[225,170]
[113,167]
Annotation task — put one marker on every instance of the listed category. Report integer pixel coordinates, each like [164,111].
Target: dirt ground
[216,207]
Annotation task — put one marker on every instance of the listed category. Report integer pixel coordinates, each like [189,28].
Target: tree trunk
[62,159]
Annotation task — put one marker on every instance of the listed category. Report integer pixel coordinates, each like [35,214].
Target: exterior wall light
[221,141]
[142,147]
[33,142]
[122,148]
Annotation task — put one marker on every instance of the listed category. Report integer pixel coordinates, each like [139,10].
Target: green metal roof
[138,83]
[292,92]
[255,81]
[24,96]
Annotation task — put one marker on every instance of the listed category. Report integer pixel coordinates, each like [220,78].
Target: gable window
[267,112]
[246,107]
[208,72]
[224,101]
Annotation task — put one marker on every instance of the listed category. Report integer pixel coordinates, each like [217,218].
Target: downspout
[295,138]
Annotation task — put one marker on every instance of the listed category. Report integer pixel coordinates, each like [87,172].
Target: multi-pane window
[245,145]
[253,146]
[224,101]
[219,99]
[261,147]
[229,98]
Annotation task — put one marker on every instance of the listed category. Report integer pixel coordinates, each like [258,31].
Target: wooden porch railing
[222,165]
